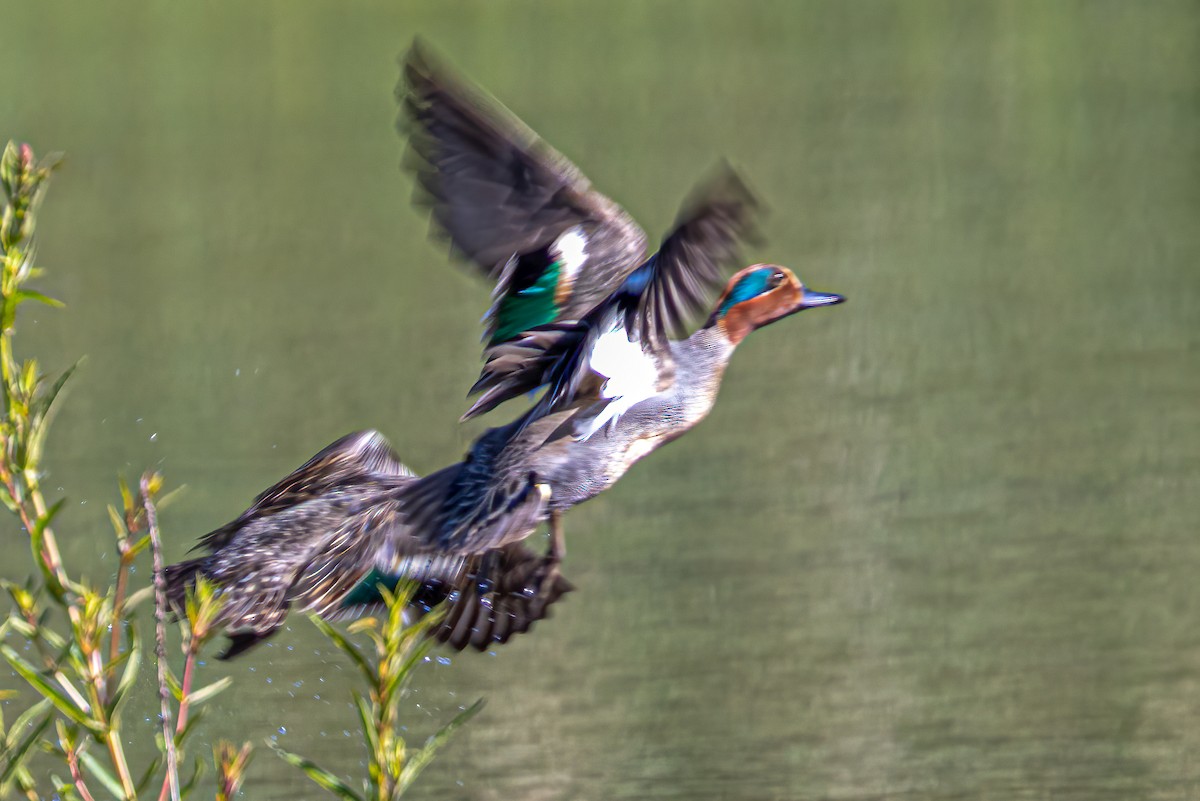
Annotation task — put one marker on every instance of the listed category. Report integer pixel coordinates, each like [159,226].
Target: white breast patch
[631,372]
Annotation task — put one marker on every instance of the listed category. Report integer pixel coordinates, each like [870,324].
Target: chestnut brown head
[760,295]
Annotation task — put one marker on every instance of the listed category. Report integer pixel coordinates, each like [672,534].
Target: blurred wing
[483,502]
[353,460]
[487,597]
[548,355]
[496,595]
[680,281]
[506,199]
[370,538]
[656,300]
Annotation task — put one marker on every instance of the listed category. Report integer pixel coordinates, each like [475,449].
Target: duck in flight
[580,312]
[579,309]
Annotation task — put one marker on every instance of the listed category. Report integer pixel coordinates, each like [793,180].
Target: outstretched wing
[485,598]
[656,300]
[486,501]
[682,279]
[525,215]
[353,460]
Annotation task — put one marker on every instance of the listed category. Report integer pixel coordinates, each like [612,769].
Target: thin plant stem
[185,686]
[185,689]
[77,776]
[114,648]
[112,739]
[171,780]
[116,752]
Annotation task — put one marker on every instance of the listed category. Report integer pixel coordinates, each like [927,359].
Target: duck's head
[762,294]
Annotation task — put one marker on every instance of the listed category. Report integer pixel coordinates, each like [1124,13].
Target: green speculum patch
[529,307]
[366,592]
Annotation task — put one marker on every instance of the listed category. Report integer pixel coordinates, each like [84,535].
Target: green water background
[940,542]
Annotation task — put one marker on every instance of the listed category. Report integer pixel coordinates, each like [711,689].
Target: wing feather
[494,187]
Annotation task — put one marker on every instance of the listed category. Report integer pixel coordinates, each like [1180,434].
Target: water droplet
[154,436]
[283,729]
[443,660]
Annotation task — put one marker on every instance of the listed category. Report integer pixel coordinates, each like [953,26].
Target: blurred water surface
[940,542]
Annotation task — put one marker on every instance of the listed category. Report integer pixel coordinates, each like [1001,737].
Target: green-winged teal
[577,309]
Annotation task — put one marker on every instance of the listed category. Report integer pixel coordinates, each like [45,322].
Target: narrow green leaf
[190,784]
[322,777]
[29,371]
[47,399]
[102,773]
[139,597]
[23,295]
[54,694]
[197,697]
[173,684]
[37,539]
[346,647]
[168,498]
[128,677]
[25,781]
[126,495]
[27,716]
[118,523]
[141,784]
[65,789]
[194,718]
[139,546]
[407,667]
[367,715]
[22,627]
[418,761]
[16,755]
[52,638]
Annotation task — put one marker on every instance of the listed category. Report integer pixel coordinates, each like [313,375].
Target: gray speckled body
[323,537]
[577,469]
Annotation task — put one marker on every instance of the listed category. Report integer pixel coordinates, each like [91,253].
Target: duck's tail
[180,577]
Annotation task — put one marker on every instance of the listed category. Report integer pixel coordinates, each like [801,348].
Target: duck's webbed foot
[545,578]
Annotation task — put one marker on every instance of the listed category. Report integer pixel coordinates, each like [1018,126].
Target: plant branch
[77,775]
[171,780]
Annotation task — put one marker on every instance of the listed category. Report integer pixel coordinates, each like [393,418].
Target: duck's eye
[775,280]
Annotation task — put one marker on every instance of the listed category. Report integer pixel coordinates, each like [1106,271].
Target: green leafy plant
[399,648]
[85,666]
[82,651]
